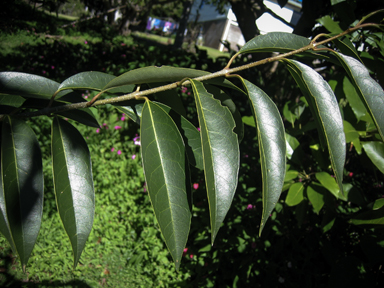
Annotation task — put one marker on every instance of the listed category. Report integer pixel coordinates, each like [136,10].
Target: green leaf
[170,98]
[350,133]
[272,146]
[372,218]
[329,183]
[23,184]
[163,155]
[346,47]
[353,98]
[323,103]
[329,24]
[290,174]
[191,137]
[133,111]
[72,174]
[334,2]
[275,42]
[221,154]
[167,74]
[28,85]
[228,102]
[4,224]
[83,116]
[11,100]
[375,152]
[249,120]
[292,143]
[91,80]
[369,90]
[295,194]
[316,197]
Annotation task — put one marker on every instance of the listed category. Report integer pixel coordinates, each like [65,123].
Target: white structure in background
[217,28]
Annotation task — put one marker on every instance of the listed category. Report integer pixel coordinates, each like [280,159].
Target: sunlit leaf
[163,155]
[28,85]
[23,185]
[72,174]
[290,175]
[350,133]
[323,103]
[369,90]
[329,183]
[272,146]
[316,197]
[375,152]
[330,24]
[220,153]
[295,194]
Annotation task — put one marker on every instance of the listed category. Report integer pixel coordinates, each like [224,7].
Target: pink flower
[123,44]
[85,42]
[122,118]
[198,129]
[250,207]
[98,130]
[117,127]
[195,186]
[119,152]
[189,93]
[185,251]
[350,174]
[113,149]
[133,156]
[184,89]
[191,256]
[44,72]
[136,140]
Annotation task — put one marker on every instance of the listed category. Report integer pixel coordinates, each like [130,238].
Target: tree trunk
[183,24]
[247,12]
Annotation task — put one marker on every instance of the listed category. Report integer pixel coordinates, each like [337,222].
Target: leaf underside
[72,174]
[220,154]
[164,164]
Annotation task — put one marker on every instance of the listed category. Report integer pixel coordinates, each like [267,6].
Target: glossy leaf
[290,175]
[28,85]
[153,74]
[323,102]
[163,155]
[23,184]
[375,152]
[292,143]
[295,194]
[350,133]
[369,90]
[72,174]
[316,197]
[90,80]
[272,146]
[221,154]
